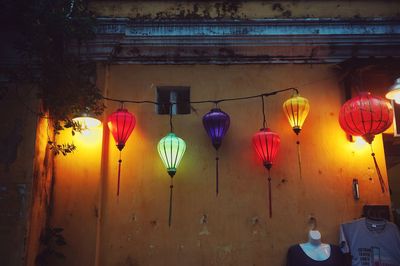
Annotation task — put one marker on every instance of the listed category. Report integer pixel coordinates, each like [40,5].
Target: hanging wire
[263,112]
[171,186]
[216,172]
[216,102]
[269,193]
[119,173]
[299,156]
[170,117]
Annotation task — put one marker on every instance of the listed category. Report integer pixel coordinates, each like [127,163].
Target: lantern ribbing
[216,123]
[367,115]
[121,124]
[296,110]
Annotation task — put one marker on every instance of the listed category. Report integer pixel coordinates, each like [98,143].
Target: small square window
[180,95]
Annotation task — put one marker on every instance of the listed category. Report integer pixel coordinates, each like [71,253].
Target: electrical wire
[216,102]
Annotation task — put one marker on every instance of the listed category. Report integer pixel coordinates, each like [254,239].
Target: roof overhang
[310,40]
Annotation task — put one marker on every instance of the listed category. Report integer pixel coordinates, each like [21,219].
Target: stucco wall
[133,228]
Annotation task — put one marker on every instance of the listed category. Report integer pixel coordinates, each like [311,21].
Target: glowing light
[366,115]
[266,144]
[121,124]
[296,110]
[359,142]
[87,123]
[216,122]
[394,92]
[171,149]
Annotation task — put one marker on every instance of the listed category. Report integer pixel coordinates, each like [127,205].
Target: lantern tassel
[216,173]
[269,193]
[378,171]
[299,157]
[119,172]
[170,202]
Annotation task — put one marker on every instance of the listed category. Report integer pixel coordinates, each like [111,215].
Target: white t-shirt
[371,243]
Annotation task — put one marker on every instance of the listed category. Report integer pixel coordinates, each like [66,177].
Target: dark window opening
[179,96]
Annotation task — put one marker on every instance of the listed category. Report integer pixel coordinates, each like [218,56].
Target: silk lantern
[121,124]
[296,110]
[171,149]
[216,123]
[266,144]
[366,115]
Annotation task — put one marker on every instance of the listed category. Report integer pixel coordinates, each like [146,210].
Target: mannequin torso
[314,248]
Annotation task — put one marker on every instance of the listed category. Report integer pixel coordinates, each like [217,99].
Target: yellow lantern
[296,110]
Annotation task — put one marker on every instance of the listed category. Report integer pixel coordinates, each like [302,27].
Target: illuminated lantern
[171,149]
[87,122]
[121,124]
[394,92]
[366,116]
[216,123]
[266,144]
[296,110]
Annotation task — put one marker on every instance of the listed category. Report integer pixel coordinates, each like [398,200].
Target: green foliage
[45,32]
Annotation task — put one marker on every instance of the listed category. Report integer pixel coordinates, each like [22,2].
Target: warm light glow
[296,110]
[266,143]
[366,115]
[359,142]
[394,92]
[171,149]
[87,124]
[121,124]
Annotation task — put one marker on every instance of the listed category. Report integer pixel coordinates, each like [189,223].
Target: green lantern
[171,149]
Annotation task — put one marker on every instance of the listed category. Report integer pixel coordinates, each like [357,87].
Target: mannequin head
[314,237]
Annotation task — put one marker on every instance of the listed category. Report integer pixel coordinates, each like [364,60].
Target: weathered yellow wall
[133,228]
[246,9]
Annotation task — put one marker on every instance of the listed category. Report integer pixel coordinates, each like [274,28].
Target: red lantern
[121,124]
[366,115]
[266,143]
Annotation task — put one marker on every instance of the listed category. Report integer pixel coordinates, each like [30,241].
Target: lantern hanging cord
[263,112]
[216,102]
[170,201]
[269,193]
[119,172]
[299,156]
[216,171]
[170,118]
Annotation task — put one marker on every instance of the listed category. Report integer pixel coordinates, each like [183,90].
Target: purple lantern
[216,123]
